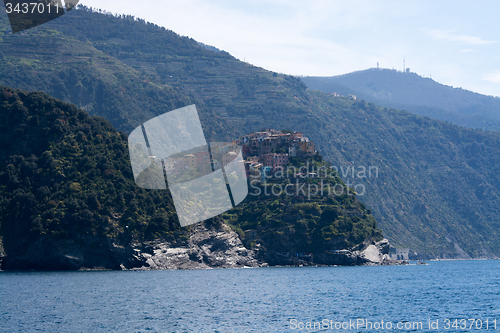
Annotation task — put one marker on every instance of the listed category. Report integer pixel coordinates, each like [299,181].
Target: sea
[443,296]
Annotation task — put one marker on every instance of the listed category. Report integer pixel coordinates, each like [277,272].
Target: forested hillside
[42,59]
[66,187]
[419,95]
[68,197]
[437,190]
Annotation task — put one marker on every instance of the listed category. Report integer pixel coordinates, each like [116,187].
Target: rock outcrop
[215,247]
[375,253]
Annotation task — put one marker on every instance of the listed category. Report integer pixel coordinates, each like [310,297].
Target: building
[399,254]
[155,160]
[202,157]
[272,149]
[307,147]
[216,165]
[268,141]
[292,151]
[275,161]
[189,161]
[253,159]
[253,170]
[229,157]
[265,173]
[169,164]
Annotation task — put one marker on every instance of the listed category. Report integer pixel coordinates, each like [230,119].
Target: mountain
[437,189]
[419,95]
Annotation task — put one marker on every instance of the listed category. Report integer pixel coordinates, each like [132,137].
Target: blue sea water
[256,300]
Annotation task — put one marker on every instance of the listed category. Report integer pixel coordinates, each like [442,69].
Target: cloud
[450,36]
[493,77]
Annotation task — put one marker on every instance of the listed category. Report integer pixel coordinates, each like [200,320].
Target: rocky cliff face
[207,246]
[216,247]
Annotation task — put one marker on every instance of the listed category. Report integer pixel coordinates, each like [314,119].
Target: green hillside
[438,187]
[68,198]
[66,187]
[42,59]
[419,95]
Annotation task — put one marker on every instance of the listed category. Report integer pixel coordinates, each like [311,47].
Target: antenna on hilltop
[404,66]
[377,64]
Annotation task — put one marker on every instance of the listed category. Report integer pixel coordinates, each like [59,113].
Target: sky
[457,43]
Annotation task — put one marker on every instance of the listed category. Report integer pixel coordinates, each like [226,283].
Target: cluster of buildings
[200,159]
[268,151]
[264,153]
[336,95]
[195,159]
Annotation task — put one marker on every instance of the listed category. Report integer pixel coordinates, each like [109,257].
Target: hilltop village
[269,150]
[264,152]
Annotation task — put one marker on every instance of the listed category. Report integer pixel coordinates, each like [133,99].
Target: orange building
[307,147]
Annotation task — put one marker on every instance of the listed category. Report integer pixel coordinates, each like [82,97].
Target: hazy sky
[455,42]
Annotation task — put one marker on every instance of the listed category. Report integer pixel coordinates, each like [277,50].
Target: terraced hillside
[437,189]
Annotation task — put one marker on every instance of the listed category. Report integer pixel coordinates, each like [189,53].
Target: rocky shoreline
[205,247]
[220,247]
[215,247]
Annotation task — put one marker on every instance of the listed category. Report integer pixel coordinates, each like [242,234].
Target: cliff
[207,247]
